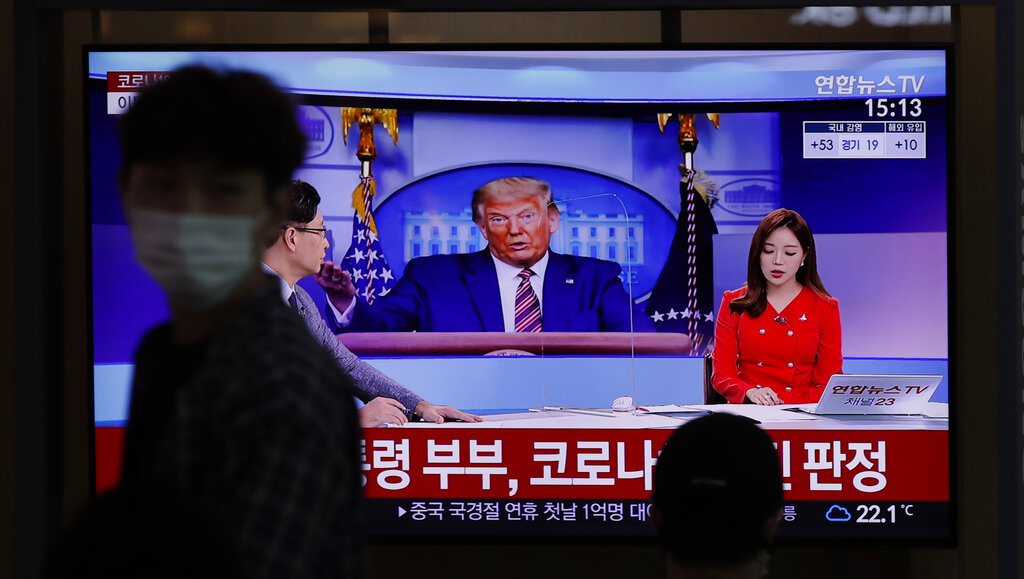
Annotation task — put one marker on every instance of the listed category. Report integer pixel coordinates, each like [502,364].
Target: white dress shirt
[286,290]
[508,283]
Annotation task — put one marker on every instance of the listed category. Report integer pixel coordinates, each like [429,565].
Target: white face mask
[197,259]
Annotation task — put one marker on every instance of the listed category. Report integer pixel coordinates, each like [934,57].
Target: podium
[511,344]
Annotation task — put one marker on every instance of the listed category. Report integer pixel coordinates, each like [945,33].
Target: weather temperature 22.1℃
[891,513]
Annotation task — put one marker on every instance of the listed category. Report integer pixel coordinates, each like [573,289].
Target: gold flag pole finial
[687,133]
[362,197]
[688,143]
[367,119]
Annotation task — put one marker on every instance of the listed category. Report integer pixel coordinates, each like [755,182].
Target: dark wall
[44,401]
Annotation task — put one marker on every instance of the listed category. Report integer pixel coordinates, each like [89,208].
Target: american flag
[364,259]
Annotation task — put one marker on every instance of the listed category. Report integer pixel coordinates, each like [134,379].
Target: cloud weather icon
[837,514]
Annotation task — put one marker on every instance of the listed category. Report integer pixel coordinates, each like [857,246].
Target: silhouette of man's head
[207,156]
[717,492]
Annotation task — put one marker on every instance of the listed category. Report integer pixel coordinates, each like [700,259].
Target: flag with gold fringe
[364,260]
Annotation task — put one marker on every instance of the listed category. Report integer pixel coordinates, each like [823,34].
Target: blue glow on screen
[444,152]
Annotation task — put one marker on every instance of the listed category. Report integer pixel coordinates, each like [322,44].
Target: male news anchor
[514,285]
[297,252]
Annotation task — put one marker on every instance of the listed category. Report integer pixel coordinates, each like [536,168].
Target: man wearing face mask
[297,252]
[235,408]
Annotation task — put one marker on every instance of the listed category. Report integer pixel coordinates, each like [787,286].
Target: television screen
[660,161]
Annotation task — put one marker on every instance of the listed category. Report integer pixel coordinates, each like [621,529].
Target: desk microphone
[781,320]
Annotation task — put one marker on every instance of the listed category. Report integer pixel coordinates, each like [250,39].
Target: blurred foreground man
[717,499]
[235,408]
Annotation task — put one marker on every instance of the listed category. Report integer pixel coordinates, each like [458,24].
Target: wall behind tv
[52,405]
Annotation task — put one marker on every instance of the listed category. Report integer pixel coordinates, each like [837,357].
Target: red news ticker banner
[123,87]
[891,465]
[131,81]
[817,465]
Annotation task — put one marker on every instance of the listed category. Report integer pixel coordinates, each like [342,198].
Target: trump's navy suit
[459,293]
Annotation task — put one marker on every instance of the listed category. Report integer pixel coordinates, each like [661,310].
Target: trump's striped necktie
[527,305]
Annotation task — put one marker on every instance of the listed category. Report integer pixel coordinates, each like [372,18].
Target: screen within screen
[856,141]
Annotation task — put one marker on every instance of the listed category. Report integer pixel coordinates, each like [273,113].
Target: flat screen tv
[662,160]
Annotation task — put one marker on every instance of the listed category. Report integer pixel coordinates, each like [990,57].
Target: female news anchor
[778,338]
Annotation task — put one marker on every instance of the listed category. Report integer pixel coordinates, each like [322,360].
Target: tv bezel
[590,108]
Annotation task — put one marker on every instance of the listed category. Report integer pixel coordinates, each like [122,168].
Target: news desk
[888,474]
[498,370]
[783,417]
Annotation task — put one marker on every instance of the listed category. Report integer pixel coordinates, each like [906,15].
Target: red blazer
[793,352]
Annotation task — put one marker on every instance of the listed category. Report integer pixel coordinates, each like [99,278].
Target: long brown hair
[756,300]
